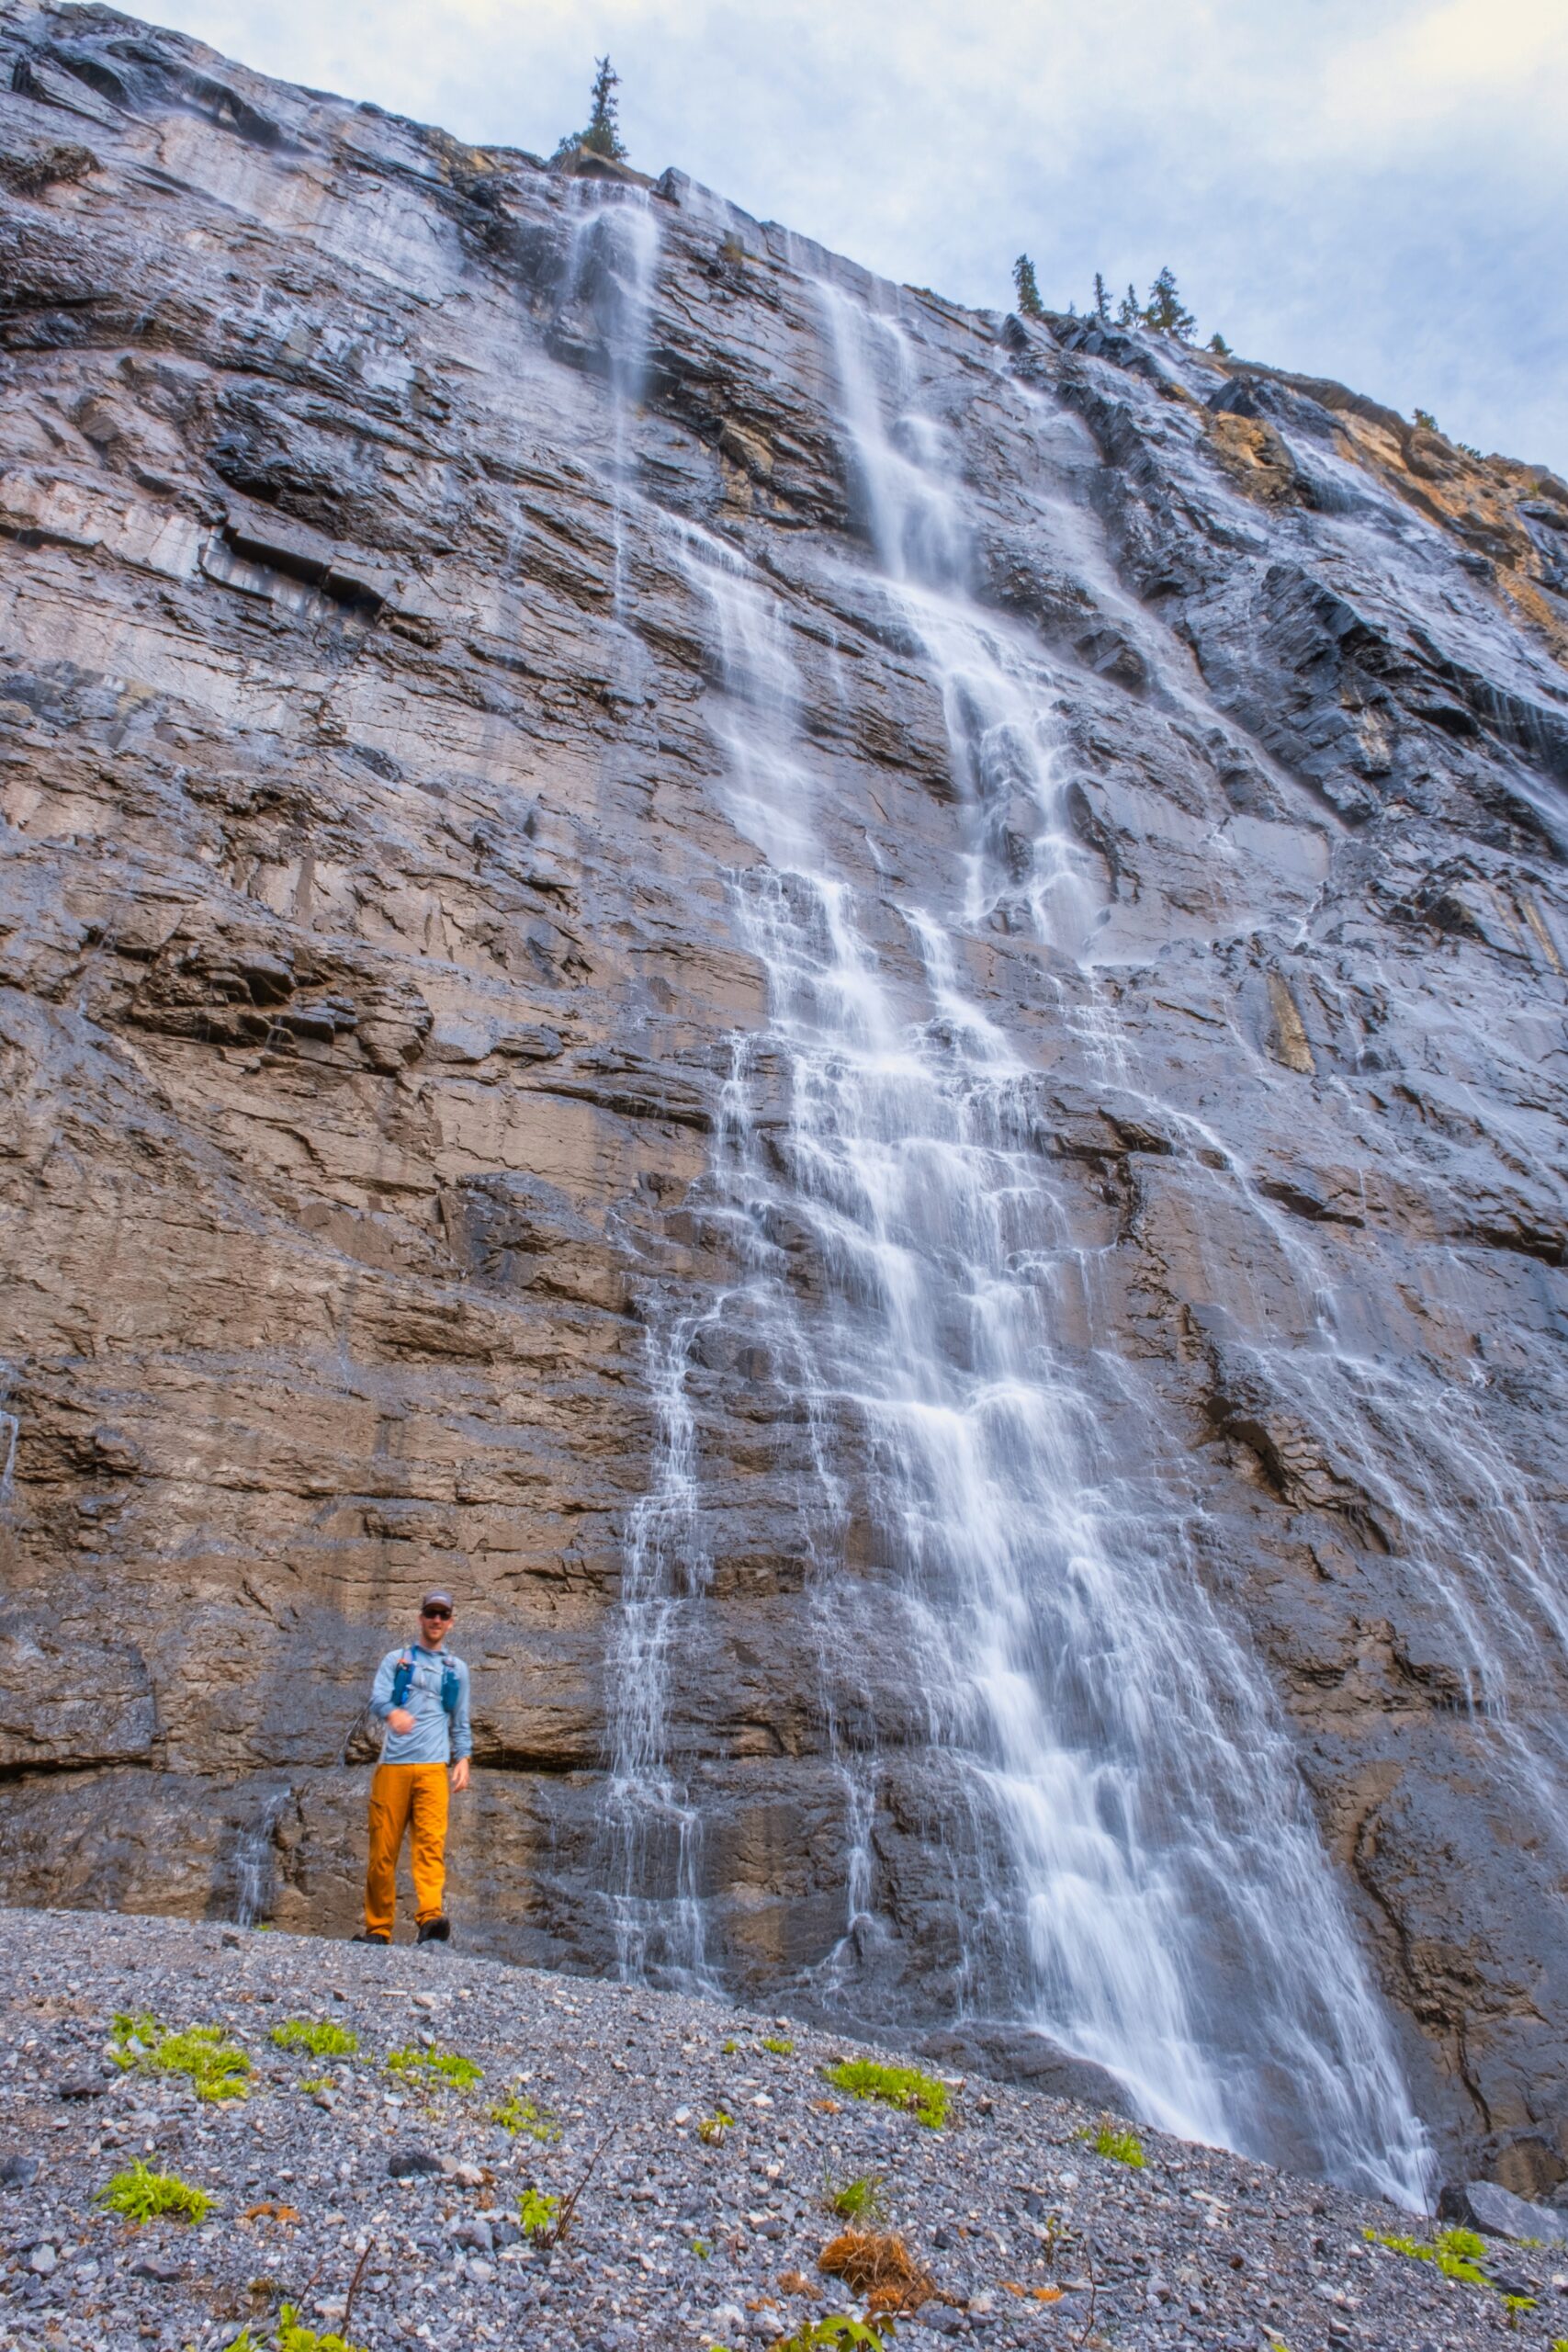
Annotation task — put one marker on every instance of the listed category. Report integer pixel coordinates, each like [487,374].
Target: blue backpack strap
[451,1685]
[402,1676]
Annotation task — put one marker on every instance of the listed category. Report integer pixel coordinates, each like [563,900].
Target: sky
[1375,190]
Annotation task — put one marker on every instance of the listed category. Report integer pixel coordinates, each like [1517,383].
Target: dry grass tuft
[878,2265]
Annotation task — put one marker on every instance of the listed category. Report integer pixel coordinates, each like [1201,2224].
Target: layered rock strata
[382,978]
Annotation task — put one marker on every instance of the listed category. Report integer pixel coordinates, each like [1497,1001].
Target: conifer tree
[603,136]
[1219,346]
[1101,300]
[1166,311]
[1129,315]
[1023,278]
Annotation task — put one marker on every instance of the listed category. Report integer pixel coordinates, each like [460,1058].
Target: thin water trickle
[256,1861]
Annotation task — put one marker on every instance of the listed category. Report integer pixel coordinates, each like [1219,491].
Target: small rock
[477,2234]
[18,2172]
[504,2232]
[412,2164]
[81,2086]
[44,2260]
[163,2267]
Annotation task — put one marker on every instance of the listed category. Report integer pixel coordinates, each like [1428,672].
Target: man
[421,1696]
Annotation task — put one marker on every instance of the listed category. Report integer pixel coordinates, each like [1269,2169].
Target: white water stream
[1014,1636]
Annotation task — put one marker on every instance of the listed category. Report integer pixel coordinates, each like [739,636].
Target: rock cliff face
[857,1009]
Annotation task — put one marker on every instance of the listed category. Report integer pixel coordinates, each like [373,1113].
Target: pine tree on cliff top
[603,136]
[1101,300]
[1166,311]
[1024,280]
[1129,315]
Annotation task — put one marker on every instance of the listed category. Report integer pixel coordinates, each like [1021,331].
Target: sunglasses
[435,1612]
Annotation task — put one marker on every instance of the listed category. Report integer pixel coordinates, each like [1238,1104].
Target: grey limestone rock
[428,578]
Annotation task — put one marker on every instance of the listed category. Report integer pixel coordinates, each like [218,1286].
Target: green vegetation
[314,2082]
[712,2128]
[922,2096]
[816,2336]
[1101,307]
[448,2067]
[1219,346]
[1120,2147]
[140,2196]
[1166,311]
[292,2338]
[517,2115]
[701,2249]
[603,136]
[1028,289]
[214,2067]
[538,2215]
[1427,421]
[779,2046]
[856,2201]
[1130,315]
[728,2049]
[1457,2253]
[322,2039]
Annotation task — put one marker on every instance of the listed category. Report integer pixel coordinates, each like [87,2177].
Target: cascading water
[1133,1867]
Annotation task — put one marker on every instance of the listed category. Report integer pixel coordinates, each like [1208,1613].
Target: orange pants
[402,1793]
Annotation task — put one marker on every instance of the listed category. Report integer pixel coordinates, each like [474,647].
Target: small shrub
[728,2049]
[293,2337]
[140,2196]
[1427,421]
[826,2335]
[1457,2253]
[1120,2147]
[322,2039]
[856,2201]
[712,2128]
[701,2249]
[522,2118]
[448,2067]
[314,2084]
[922,2096]
[537,2215]
[213,2067]
[779,2048]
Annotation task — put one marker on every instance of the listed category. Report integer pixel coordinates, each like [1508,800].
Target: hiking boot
[370,1936]
[434,1931]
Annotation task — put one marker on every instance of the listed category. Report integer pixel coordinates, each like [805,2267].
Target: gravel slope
[1032,2238]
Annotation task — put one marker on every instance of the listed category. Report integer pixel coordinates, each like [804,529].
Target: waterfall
[1017,1647]
[256,1861]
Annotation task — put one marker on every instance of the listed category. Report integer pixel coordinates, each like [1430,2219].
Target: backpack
[403,1681]
[362,1745]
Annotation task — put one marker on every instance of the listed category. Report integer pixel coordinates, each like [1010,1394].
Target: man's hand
[401,1719]
[460,1773]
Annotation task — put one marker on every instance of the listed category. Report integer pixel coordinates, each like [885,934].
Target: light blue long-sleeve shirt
[436,1738]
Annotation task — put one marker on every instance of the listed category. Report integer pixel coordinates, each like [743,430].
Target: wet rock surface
[375,1016]
[1027,2235]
